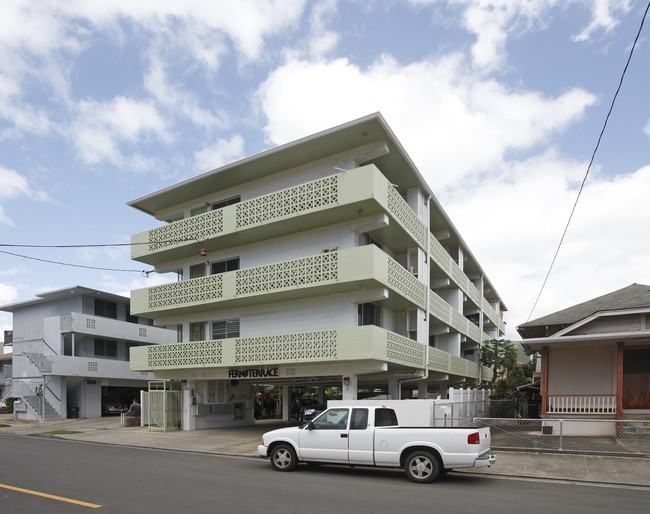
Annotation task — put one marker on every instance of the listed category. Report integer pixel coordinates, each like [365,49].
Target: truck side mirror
[310,425]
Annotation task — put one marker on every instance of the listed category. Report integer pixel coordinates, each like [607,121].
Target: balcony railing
[444,362]
[331,272]
[580,404]
[335,346]
[445,313]
[313,204]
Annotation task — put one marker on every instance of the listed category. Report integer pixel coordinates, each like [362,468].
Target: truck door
[327,441]
[360,438]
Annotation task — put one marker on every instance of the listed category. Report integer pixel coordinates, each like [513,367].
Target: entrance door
[636,379]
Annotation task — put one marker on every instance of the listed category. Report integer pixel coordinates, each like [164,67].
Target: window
[197,331]
[225,265]
[225,329]
[197,270]
[225,203]
[359,419]
[130,317]
[385,418]
[333,419]
[105,308]
[105,348]
[371,241]
[369,314]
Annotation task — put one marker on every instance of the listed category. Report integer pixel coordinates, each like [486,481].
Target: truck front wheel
[284,458]
[422,467]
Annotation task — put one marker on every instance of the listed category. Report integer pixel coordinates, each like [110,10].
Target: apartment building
[326,262]
[71,351]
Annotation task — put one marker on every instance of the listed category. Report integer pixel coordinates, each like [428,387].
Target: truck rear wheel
[284,458]
[422,467]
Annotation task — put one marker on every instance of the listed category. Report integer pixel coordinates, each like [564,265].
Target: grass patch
[2,425]
[62,432]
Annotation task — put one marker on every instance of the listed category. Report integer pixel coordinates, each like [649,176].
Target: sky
[499,103]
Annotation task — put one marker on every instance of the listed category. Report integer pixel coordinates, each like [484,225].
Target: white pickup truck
[370,436]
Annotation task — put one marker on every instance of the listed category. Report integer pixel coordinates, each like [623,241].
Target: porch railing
[581,404]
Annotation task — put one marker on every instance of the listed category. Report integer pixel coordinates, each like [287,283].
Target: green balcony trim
[444,362]
[318,346]
[326,269]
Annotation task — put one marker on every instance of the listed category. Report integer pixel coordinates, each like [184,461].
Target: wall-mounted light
[346,381]
[204,252]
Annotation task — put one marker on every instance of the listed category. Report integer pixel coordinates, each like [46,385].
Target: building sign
[253,373]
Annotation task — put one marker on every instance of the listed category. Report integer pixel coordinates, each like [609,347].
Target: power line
[8,245]
[105,245]
[593,155]
[143,272]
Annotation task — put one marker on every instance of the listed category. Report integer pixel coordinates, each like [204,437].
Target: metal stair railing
[39,354]
[34,395]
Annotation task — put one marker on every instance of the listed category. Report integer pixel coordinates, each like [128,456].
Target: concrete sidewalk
[243,441]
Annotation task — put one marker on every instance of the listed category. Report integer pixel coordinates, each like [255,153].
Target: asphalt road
[121,479]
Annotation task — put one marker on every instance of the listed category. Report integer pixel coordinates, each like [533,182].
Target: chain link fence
[598,436]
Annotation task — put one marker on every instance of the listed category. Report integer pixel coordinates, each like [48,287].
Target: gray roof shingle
[634,296]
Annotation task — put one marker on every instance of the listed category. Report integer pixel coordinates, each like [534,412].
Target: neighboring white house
[595,356]
[325,262]
[71,353]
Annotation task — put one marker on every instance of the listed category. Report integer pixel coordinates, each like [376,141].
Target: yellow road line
[51,496]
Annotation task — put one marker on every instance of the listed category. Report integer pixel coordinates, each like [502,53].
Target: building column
[544,377]
[394,388]
[423,390]
[349,386]
[285,391]
[189,419]
[619,380]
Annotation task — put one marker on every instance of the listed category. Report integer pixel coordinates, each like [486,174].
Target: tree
[500,355]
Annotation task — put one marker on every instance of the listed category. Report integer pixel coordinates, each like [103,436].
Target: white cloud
[646,129]
[495,21]
[222,152]
[245,22]
[40,40]
[8,294]
[13,184]
[523,215]
[438,108]
[322,40]
[603,17]
[179,103]
[100,127]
